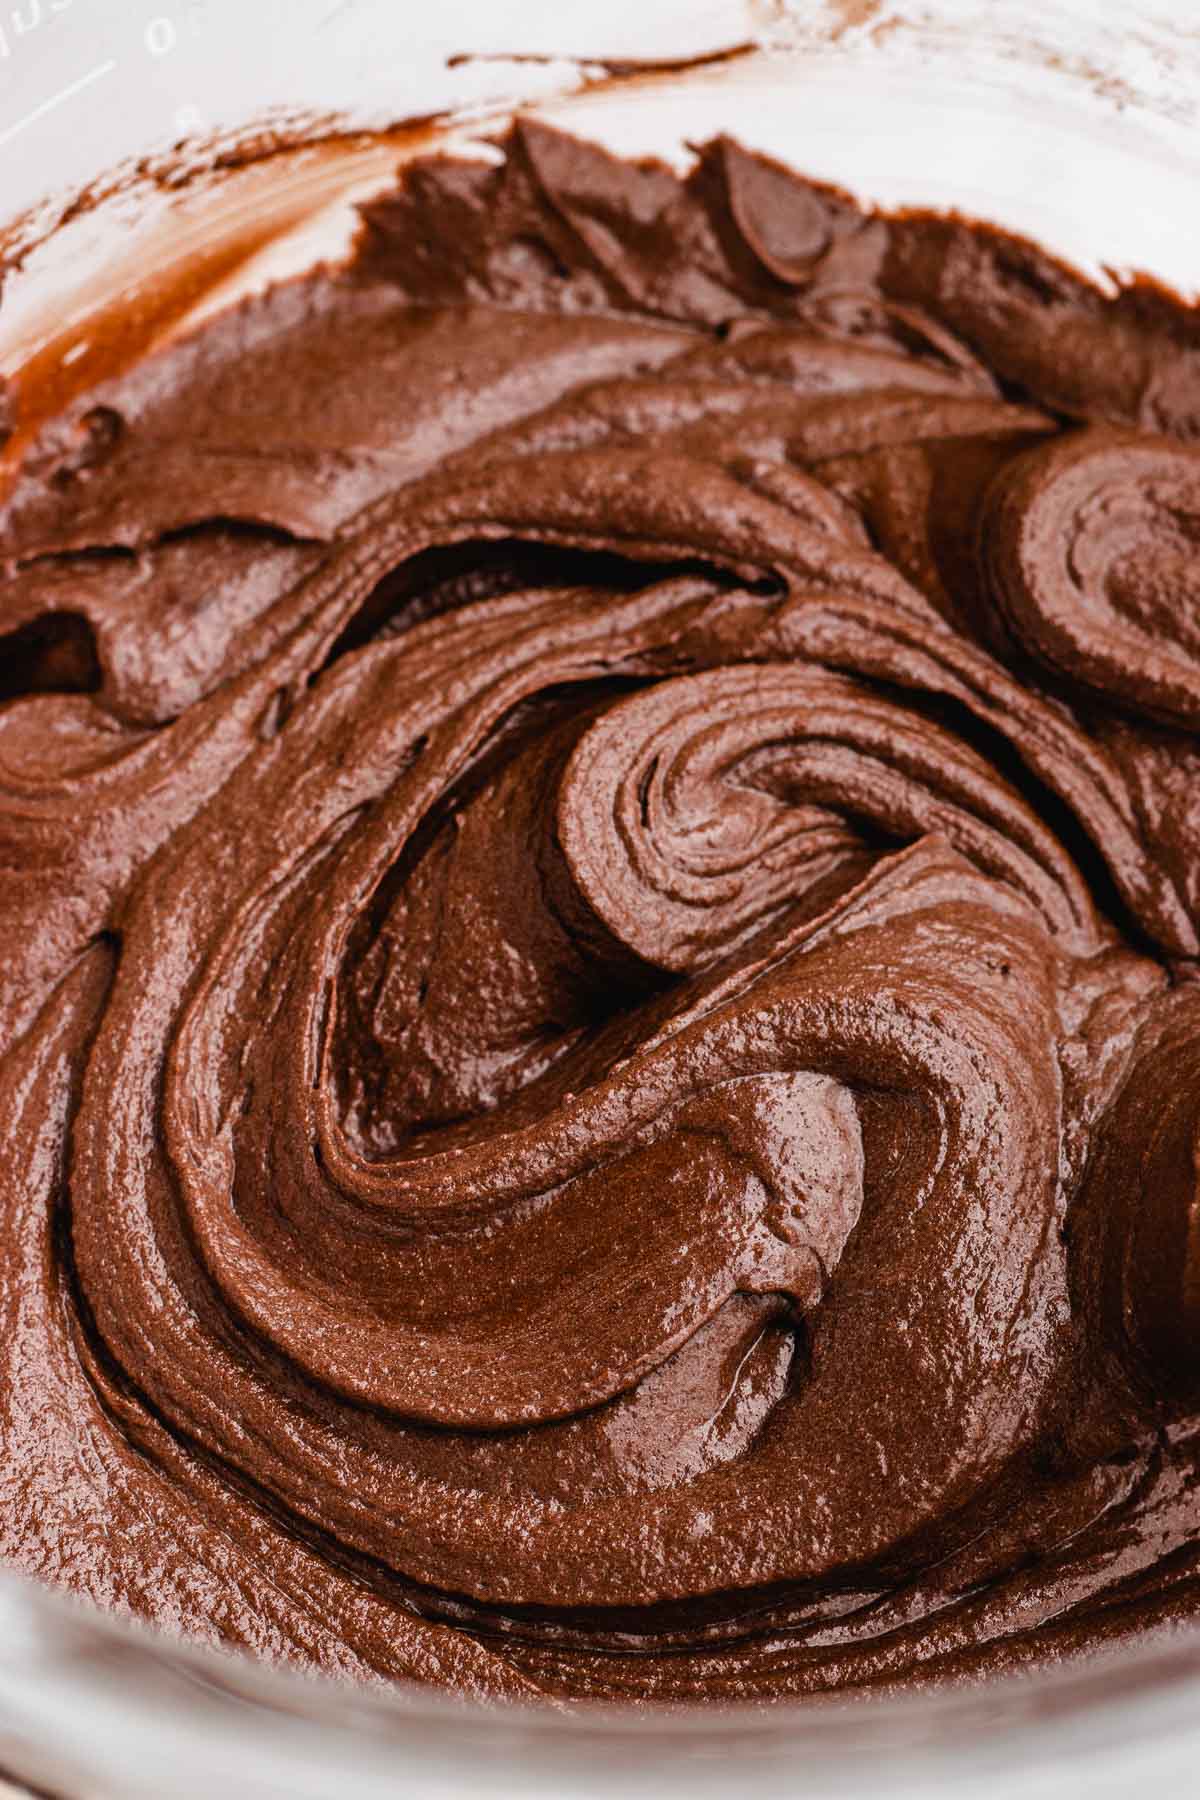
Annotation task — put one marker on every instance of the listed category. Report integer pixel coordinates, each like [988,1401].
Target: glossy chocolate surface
[600,880]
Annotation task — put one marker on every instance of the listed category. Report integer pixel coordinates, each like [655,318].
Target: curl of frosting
[1091,548]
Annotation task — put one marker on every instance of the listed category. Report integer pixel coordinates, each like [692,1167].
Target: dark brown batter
[600,881]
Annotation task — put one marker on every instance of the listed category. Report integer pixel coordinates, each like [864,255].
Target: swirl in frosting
[600,864]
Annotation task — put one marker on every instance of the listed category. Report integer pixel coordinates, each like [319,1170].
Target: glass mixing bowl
[1063,119]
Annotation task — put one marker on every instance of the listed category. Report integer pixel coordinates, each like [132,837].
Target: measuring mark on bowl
[67,93]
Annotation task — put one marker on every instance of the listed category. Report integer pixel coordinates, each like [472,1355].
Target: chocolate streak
[600,858]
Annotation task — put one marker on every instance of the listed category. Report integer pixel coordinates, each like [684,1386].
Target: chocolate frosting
[600,864]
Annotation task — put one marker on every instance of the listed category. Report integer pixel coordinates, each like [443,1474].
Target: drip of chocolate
[600,864]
